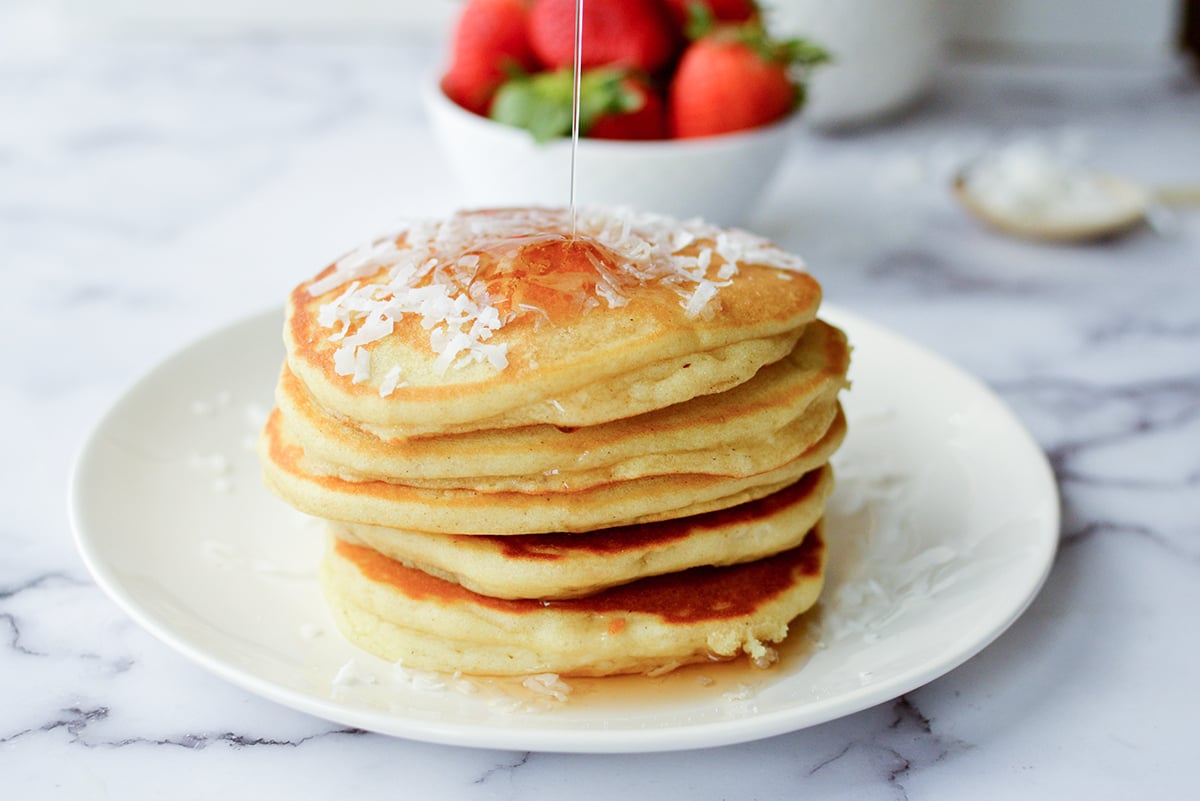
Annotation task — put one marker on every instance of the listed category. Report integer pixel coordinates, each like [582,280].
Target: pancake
[749,429]
[420,621]
[736,459]
[497,319]
[549,566]
[539,447]
[661,384]
[462,511]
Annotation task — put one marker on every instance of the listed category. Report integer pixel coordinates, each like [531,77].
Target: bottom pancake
[405,615]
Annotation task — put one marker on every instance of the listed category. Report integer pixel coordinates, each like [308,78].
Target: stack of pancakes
[591,451]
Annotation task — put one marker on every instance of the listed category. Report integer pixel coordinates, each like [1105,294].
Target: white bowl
[886,54]
[717,178]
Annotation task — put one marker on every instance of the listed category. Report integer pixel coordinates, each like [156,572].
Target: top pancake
[497,319]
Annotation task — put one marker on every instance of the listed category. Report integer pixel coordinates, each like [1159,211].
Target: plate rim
[649,739]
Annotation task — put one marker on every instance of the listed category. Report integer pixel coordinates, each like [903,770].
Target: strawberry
[637,34]
[642,116]
[735,78]
[723,10]
[613,104]
[489,38]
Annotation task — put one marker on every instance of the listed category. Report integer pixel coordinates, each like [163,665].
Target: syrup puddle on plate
[731,687]
[732,684]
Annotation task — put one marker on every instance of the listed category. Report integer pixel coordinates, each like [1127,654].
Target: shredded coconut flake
[360,263]
[548,684]
[1024,181]
[343,360]
[704,292]
[390,382]
[311,631]
[895,568]
[743,692]
[362,365]
[351,675]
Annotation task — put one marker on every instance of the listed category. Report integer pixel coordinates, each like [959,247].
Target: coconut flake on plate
[548,684]
[350,674]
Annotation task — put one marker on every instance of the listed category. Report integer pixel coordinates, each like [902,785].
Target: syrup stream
[575,103]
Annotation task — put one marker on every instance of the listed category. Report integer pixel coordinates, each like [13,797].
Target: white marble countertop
[151,192]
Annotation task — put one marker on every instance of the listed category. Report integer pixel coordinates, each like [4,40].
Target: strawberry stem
[700,21]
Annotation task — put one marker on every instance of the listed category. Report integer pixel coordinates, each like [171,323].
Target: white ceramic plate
[942,530]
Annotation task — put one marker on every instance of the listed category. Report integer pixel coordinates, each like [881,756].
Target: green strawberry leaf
[534,104]
[801,95]
[700,21]
[542,103]
[802,52]
[795,52]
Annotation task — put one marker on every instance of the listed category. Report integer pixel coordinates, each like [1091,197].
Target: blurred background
[888,53]
[1074,28]
[153,117]
[1058,29]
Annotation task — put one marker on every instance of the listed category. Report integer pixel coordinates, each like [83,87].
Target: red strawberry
[490,37]
[637,34]
[723,10]
[736,78]
[647,118]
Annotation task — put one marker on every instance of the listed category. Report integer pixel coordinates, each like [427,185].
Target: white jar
[885,54]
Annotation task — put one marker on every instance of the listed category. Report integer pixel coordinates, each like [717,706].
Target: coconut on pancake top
[468,318]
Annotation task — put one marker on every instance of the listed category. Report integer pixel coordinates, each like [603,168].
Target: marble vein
[39,581]
[504,768]
[76,721]
[14,635]
[905,745]
[1187,550]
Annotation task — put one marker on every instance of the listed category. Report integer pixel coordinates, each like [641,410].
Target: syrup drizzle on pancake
[552,275]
